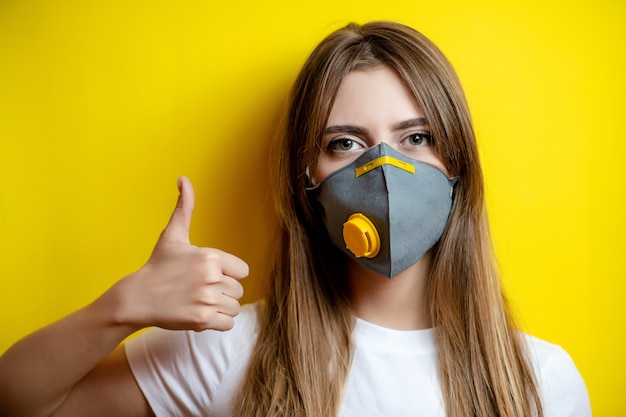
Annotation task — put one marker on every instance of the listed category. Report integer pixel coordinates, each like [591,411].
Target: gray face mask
[385,209]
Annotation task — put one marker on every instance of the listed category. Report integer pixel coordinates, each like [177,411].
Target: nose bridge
[384,160]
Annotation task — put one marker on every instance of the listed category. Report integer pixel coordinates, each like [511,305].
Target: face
[374,106]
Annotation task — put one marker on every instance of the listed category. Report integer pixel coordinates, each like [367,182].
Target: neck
[396,303]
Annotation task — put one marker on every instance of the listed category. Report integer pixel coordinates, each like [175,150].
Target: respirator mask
[384,209]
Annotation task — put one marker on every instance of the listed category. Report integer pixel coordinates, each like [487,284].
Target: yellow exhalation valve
[361,236]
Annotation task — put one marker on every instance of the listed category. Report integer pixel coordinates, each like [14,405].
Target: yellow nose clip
[361,236]
[384,160]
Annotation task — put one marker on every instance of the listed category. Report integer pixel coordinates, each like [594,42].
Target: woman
[383,299]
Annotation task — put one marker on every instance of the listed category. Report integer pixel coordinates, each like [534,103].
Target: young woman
[383,299]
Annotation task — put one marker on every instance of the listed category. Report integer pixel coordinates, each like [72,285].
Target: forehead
[371,95]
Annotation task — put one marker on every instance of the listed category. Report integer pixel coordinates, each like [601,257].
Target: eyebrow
[407,124]
[346,129]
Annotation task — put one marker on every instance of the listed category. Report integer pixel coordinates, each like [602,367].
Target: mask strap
[312,181]
[453,182]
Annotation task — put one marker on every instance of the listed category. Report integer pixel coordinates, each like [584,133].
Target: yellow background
[104,104]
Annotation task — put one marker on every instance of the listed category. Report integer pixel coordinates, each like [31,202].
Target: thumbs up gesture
[184,287]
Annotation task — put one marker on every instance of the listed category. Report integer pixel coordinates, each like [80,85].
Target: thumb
[177,230]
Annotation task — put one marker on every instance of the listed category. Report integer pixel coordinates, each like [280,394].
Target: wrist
[117,307]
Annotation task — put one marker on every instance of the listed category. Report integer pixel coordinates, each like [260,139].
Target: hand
[184,287]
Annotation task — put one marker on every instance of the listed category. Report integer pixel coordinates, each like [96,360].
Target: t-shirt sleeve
[563,389]
[183,373]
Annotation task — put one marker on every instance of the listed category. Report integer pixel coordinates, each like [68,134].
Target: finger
[177,230]
[233,266]
[231,288]
[220,322]
[229,306]
[211,317]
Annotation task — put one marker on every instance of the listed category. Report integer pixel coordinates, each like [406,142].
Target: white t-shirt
[394,373]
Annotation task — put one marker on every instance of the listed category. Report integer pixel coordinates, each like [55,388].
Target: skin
[373,106]
[76,366]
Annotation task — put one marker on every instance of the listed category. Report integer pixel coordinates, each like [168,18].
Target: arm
[38,374]
[72,367]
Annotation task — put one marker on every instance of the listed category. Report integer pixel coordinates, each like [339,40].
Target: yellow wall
[104,104]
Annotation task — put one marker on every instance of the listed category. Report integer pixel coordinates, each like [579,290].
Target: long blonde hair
[302,356]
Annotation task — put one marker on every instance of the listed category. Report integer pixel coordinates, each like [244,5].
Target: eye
[419,139]
[343,145]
